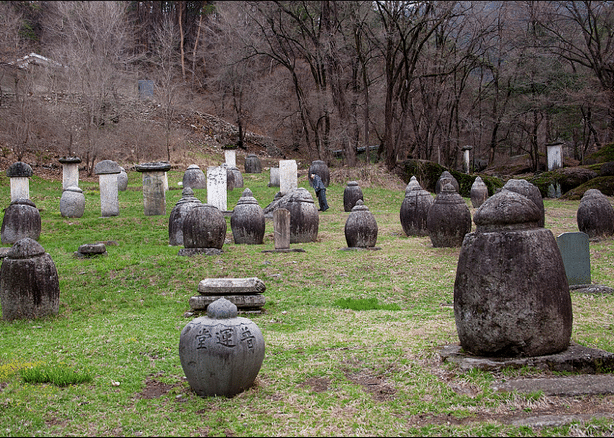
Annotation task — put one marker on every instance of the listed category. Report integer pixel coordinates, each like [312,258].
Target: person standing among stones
[320,188]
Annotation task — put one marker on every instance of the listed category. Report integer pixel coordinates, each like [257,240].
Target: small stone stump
[320,168]
[252,164]
[518,303]
[194,177]
[446,177]
[88,250]
[479,192]
[361,228]
[29,284]
[351,194]
[72,202]
[415,209]
[122,180]
[529,190]
[107,172]
[595,215]
[247,220]
[19,174]
[245,293]
[178,215]
[448,219]
[70,171]
[154,191]
[221,353]
[281,232]
[21,219]
[204,231]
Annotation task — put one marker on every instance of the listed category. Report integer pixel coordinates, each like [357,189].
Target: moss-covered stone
[605,184]
[568,179]
[603,155]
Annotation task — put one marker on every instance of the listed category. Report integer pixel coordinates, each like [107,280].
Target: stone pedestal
[154,196]
[287,176]
[107,172]
[70,171]
[217,187]
[19,174]
[245,293]
[72,202]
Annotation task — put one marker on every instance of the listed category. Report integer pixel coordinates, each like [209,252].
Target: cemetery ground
[329,370]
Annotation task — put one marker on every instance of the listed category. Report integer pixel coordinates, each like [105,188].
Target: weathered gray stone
[351,194]
[230,156]
[288,181]
[178,214]
[281,228]
[72,202]
[479,192]
[415,209]
[531,191]
[194,177]
[19,170]
[595,215]
[21,219]
[233,286]
[234,178]
[122,180]
[91,250]
[361,227]
[576,256]
[247,220]
[154,190]
[105,167]
[304,219]
[29,284]
[448,219]
[19,174]
[252,164]
[204,230]
[221,354]
[201,302]
[511,296]
[70,171]
[217,187]
[445,178]
[274,177]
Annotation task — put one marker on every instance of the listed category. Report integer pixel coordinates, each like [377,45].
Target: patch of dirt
[375,385]
[155,389]
[317,384]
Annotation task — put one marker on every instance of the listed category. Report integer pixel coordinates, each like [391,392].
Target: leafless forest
[418,79]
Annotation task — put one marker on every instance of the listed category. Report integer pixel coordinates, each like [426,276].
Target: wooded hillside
[418,79]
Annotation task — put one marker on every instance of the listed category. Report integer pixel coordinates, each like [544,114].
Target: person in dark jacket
[320,188]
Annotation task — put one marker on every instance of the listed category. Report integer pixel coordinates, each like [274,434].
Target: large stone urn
[361,227]
[204,231]
[247,220]
[415,209]
[531,191]
[304,219]
[448,219]
[252,164]
[221,354]
[351,194]
[320,168]
[21,219]
[194,177]
[478,193]
[72,202]
[595,215]
[511,294]
[178,215]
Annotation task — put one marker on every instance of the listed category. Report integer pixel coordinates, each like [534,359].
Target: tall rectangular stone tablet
[287,176]
[576,255]
[217,187]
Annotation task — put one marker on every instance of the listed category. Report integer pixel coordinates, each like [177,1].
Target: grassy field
[328,371]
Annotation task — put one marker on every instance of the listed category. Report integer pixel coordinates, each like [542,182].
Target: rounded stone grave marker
[351,194]
[361,227]
[221,353]
[122,180]
[320,168]
[29,284]
[415,209]
[252,164]
[247,220]
[446,177]
[21,219]
[511,294]
[531,191]
[479,192]
[448,219]
[204,230]
[194,177]
[178,214]
[304,219]
[595,215]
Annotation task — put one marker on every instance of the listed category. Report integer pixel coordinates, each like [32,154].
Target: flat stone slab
[197,251]
[91,250]
[558,420]
[570,386]
[360,248]
[591,289]
[576,359]
[222,286]
[201,302]
[285,250]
